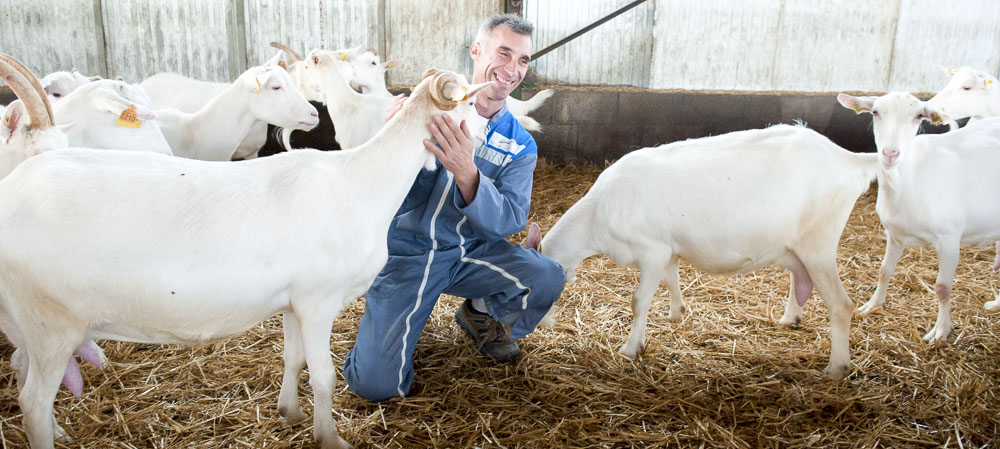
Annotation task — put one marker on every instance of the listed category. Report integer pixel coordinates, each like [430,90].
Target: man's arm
[501,206]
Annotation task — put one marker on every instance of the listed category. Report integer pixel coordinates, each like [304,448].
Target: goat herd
[135,244]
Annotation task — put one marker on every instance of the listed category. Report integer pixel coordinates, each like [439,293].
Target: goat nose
[891,152]
[314,114]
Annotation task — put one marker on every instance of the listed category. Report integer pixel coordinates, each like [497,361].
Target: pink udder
[72,379]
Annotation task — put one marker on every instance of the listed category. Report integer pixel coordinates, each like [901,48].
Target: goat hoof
[333,443]
[937,334]
[292,416]
[790,321]
[868,308]
[60,435]
[629,353]
[836,372]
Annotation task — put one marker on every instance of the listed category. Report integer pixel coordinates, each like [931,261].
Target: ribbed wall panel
[333,24]
[433,34]
[699,45]
[53,35]
[195,38]
[615,53]
[944,33]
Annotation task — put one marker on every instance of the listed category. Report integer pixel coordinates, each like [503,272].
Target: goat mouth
[310,124]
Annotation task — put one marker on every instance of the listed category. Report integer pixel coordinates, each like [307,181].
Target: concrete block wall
[594,125]
[602,124]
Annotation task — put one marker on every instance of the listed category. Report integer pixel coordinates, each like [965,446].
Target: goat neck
[215,131]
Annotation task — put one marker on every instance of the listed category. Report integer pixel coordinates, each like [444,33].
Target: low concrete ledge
[594,125]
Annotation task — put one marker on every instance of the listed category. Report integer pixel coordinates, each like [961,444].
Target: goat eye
[276,88]
[966,88]
[875,113]
[56,94]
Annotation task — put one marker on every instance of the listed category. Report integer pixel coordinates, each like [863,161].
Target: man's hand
[454,148]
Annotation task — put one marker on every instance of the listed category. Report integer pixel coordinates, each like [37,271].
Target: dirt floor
[727,375]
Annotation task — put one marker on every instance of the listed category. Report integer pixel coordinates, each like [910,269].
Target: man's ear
[475,50]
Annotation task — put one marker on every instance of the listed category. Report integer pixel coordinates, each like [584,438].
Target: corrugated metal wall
[302,25]
[767,45]
[198,38]
[45,35]
[731,45]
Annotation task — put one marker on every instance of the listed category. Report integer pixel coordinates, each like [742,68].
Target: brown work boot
[491,337]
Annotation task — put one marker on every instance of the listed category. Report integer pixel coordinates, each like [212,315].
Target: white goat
[260,95]
[976,95]
[296,69]
[173,262]
[369,73]
[57,85]
[29,130]
[27,122]
[969,93]
[937,189]
[356,117]
[728,204]
[89,116]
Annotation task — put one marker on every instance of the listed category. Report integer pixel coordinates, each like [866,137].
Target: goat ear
[393,63]
[534,240]
[474,89]
[12,117]
[952,72]
[935,116]
[274,61]
[108,101]
[858,104]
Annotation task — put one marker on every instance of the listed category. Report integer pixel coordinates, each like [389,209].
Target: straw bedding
[726,376]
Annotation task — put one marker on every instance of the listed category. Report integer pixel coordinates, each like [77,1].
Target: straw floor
[726,376]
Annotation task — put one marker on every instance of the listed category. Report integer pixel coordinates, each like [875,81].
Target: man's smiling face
[502,59]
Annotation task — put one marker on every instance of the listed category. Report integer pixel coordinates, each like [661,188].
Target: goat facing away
[728,204]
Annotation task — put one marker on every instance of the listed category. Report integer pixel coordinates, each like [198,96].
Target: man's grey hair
[514,22]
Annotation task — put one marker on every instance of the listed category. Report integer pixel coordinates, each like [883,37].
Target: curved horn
[295,56]
[439,87]
[29,90]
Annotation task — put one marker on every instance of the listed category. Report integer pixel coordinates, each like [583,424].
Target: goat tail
[536,101]
[529,123]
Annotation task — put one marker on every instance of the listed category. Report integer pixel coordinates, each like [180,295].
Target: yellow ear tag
[987,83]
[128,118]
[342,56]
[258,84]
[282,64]
[390,66]
[857,108]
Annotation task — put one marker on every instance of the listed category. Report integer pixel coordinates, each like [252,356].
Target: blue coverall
[438,244]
